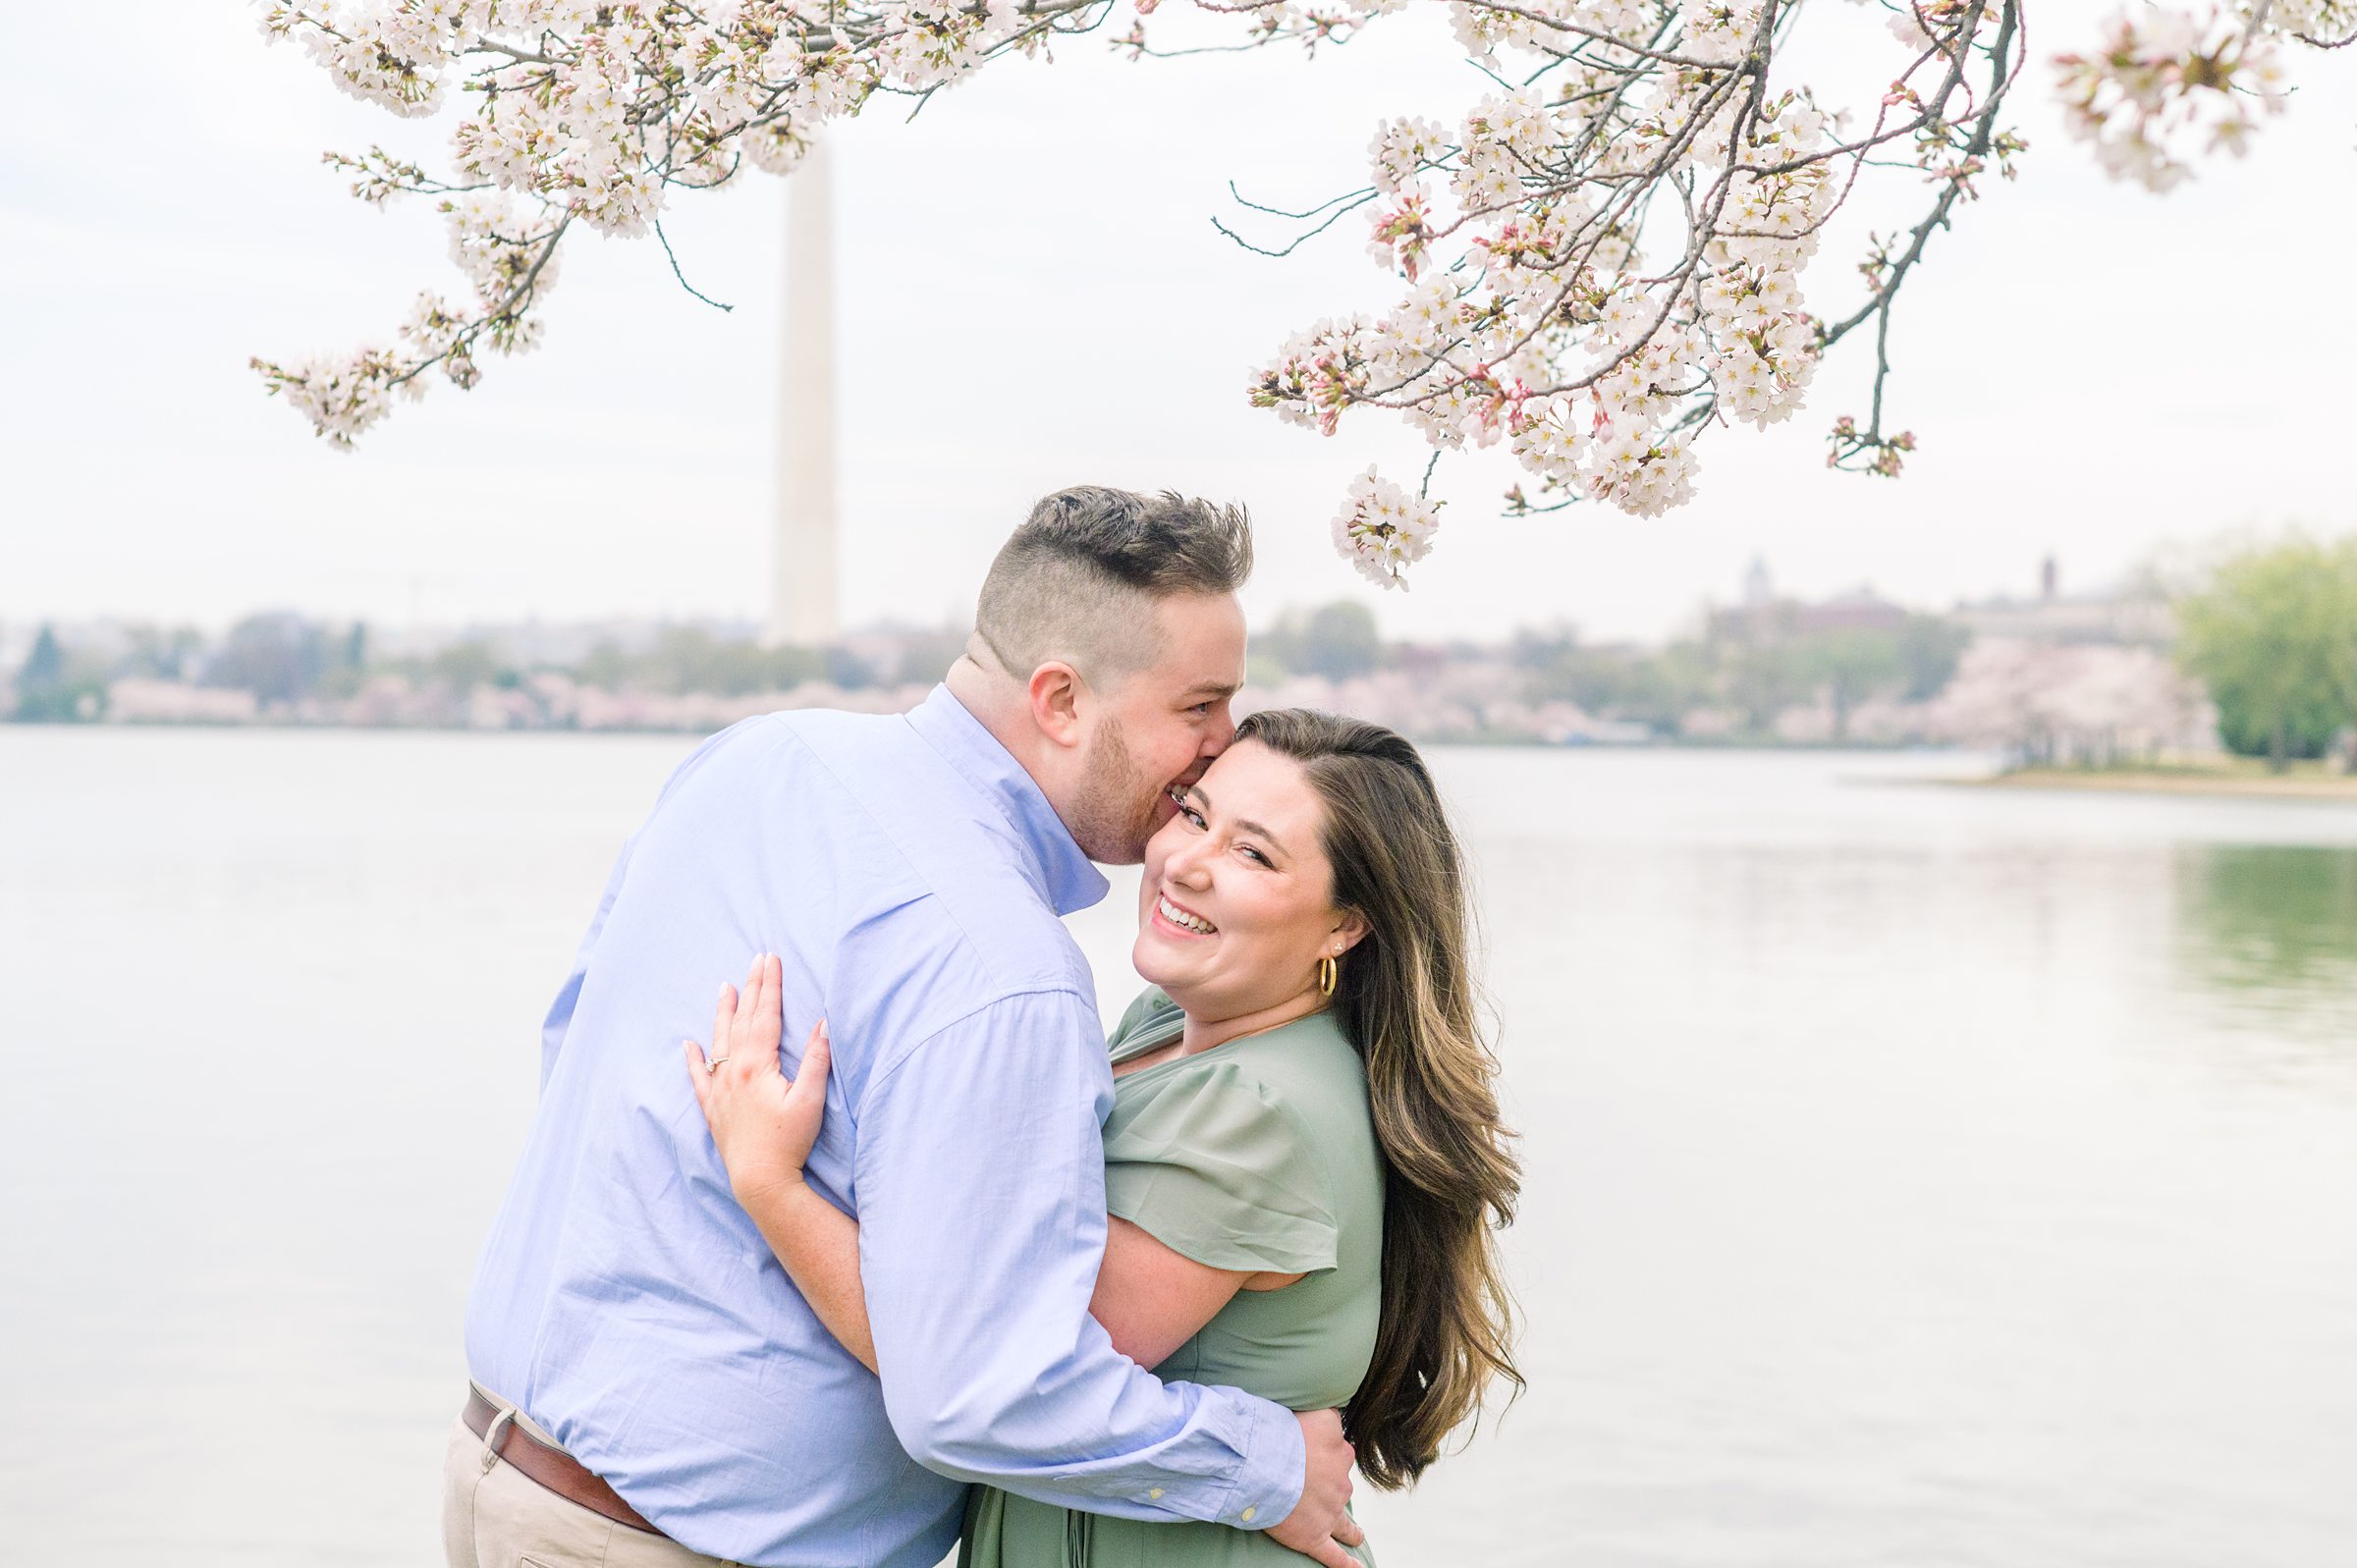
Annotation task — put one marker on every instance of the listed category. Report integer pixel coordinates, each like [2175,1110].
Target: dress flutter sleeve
[1151,1008]
[1209,1165]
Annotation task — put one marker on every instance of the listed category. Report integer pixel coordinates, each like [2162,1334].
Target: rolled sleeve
[1267,1483]
[980,1188]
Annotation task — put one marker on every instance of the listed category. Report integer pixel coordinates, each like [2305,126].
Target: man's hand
[1317,1527]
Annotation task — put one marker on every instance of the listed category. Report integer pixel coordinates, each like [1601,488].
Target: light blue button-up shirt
[911,877]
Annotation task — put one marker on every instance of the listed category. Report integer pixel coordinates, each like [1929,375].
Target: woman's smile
[1182,920]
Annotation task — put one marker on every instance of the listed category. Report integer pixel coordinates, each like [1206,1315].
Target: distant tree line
[284,658]
[1753,668]
[2272,633]
[62,685]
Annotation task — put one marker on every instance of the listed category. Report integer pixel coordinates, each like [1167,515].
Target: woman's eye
[1191,815]
[1255,854]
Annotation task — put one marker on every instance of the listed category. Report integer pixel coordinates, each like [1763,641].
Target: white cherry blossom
[1382,530]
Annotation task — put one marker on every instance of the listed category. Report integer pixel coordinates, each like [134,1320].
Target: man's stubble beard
[1118,808]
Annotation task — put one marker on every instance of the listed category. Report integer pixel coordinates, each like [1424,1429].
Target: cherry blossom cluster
[592,114]
[1382,528]
[2170,84]
[2163,79]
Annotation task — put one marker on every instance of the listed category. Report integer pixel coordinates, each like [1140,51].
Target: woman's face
[1236,904]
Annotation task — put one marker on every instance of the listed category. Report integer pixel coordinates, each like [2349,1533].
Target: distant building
[135,701]
[2130,619]
[1859,609]
[1763,616]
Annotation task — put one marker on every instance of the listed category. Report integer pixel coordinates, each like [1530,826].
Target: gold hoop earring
[1328,973]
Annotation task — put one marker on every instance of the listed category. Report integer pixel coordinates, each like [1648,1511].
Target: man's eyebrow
[1215,688]
[1245,822]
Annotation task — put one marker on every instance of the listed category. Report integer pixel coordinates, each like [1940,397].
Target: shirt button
[1249,1513]
[1154,1492]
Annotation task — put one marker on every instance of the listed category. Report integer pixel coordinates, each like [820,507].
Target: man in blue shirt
[650,1388]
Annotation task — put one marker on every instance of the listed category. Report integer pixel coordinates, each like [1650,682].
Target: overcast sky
[1032,294]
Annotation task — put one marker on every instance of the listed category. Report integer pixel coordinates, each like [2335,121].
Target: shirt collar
[943,723]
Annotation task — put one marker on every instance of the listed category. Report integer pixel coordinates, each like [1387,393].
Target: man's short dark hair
[1078,580]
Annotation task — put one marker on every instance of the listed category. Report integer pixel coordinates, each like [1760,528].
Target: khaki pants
[495,1516]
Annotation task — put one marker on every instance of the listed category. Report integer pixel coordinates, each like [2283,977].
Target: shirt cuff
[1268,1481]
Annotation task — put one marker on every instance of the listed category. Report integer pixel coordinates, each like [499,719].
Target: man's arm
[980,1188]
[1150,1298]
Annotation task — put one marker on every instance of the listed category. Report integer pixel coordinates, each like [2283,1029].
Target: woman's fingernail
[822,1030]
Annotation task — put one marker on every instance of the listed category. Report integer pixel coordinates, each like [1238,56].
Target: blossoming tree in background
[1603,256]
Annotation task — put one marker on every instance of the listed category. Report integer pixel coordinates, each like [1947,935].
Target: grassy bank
[2236,776]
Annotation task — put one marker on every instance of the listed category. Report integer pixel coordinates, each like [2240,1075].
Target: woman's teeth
[1182,919]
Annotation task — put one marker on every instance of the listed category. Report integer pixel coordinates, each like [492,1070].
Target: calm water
[1918,1177]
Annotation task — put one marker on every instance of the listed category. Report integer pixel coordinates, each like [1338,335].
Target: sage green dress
[1260,1155]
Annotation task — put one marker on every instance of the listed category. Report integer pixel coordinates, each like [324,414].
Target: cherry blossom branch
[592,114]
[673,258]
[1603,257]
[1883,455]
[1533,318]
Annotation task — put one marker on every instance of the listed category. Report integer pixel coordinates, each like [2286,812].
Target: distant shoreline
[2308,783]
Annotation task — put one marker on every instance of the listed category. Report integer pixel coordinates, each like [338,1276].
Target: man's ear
[1056,695]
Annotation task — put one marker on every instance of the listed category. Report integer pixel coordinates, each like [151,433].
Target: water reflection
[2272,929]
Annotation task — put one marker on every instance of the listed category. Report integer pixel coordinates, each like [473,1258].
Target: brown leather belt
[552,1467]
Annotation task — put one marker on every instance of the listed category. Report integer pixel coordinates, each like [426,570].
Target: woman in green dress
[1304,1165]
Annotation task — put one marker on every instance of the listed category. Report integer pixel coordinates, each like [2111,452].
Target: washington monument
[804,606]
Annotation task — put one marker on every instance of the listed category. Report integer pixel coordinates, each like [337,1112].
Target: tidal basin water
[1918,1177]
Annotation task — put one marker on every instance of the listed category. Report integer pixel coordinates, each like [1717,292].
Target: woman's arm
[1150,1299]
[764,1125]
[819,1245]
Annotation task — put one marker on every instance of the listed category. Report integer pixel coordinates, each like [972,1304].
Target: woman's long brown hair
[1405,999]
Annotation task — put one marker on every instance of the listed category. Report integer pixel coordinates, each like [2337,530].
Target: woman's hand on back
[763,1122]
